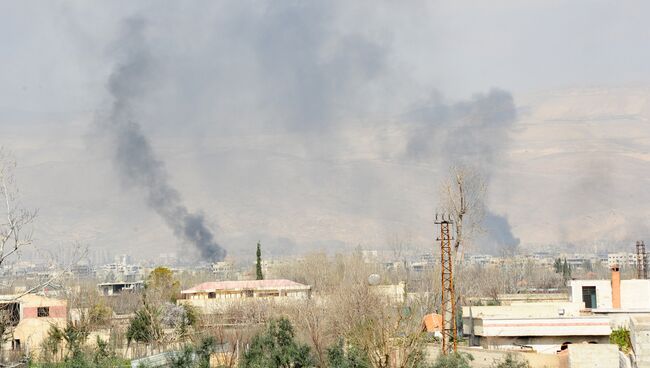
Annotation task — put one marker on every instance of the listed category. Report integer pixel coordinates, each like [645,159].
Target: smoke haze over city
[203,127]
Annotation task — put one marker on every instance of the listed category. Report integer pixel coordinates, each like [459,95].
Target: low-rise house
[30,317]
[542,327]
[595,307]
[626,303]
[212,297]
[614,295]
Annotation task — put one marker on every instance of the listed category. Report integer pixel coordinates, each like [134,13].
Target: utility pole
[641,261]
[448,298]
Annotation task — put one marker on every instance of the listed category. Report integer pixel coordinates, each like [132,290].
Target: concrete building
[626,303]
[621,259]
[30,319]
[212,297]
[223,270]
[541,327]
[393,293]
[115,288]
[478,259]
[613,295]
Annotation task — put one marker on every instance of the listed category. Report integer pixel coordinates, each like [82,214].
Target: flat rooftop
[559,326]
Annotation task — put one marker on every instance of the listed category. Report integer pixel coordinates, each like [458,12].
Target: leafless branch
[14,232]
[462,196]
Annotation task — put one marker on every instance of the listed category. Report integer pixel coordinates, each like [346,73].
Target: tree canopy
[277,348]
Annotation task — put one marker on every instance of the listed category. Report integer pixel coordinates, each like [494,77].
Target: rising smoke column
[134,158]
[472,133]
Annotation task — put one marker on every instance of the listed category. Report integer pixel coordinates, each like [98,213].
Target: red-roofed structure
[246,285]
[215,296]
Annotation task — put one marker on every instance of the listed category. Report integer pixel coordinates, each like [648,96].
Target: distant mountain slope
[576,172]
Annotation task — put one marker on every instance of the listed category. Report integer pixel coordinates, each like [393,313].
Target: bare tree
[389,333]
[462,196]
[15,232]
[311,319]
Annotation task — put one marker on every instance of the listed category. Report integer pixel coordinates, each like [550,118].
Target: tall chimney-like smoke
[134,158]
[472,133]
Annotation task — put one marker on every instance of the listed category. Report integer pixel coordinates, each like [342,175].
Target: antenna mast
[448,298]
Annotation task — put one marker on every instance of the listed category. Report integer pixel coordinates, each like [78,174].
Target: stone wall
[590,356]
[486,358]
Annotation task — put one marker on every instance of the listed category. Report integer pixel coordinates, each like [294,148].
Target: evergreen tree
[566,270]
[258,265]
[182,359]
[557,265]
[454,360]
[144,326]
[206,347]
[276,348]
[337,357]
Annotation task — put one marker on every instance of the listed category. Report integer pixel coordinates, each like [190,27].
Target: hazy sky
[55,52]
[310,104]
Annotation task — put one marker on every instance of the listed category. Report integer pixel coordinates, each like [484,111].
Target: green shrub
[144,326]
[454,360]
[338,357]
[621,337]
[511,361]
[276,348]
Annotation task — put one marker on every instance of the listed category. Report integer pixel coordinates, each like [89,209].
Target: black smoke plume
[134,157]
[472,133]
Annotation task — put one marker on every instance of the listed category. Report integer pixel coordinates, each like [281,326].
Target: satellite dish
[374,279]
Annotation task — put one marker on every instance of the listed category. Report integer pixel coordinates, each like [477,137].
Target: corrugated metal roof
[246,285]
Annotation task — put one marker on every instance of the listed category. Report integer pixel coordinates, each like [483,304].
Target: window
[11,313]
[16,344]
[43,311]
[589,296]
[212,295]
[268,294]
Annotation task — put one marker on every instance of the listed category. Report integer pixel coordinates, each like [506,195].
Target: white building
[601,295]
[542,327]
[621,259]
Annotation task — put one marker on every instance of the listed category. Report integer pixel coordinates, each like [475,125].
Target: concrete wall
[540,344]
[591,356]
[524,310]
[509,299]
[635,294]
[603,291]
[640,339]
[393,293]
[565,326]
[486,358]
[32,331]
[56,311]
